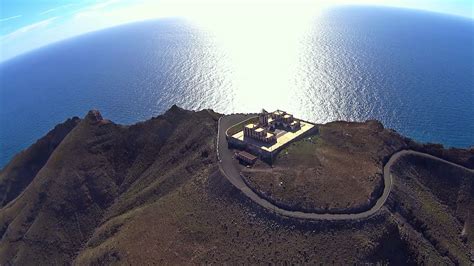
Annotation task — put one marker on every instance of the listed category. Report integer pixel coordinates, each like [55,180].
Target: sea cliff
[95,192]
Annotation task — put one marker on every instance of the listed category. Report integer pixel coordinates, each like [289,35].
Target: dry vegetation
[207,221]
[436,200]
[151,193]
[338,170]
[26,164]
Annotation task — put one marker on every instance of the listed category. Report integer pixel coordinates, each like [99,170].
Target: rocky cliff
[95,192]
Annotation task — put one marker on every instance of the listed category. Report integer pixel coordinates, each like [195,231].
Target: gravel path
[227,167]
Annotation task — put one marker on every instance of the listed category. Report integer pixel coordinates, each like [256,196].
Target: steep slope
[152,193]
[437,201]
[206,220]
[16,176]
[94,164]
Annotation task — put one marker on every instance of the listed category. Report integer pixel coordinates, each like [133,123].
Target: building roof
[250,125]
[278,112]
[259,129]
[287,116]
[247,155]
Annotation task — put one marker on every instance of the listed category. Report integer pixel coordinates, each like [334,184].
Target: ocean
[412,70]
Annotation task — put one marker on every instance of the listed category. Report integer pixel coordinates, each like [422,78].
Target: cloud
[102,4]
[9,18]
[54,9]
[93,9]
[27,29]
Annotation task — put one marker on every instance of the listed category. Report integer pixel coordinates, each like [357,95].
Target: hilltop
[337,170]
[92,191]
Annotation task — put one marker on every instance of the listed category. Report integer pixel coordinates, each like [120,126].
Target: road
[232,173]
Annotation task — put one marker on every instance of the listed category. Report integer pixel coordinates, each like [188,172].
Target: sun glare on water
[260,46]
[257,54]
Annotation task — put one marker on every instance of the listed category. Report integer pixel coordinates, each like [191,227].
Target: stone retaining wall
[295,207]
[262,154]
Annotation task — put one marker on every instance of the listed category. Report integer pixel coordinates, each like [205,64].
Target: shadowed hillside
[153,193]
[97,162]
[25,165]
[436,200]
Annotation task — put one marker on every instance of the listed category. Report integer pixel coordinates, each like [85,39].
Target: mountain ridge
[157,183]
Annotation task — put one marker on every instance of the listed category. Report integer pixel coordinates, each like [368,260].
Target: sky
[27,25]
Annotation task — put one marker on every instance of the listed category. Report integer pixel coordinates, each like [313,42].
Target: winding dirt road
[232,173]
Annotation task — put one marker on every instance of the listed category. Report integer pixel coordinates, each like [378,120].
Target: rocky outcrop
[95,192]
[93,171]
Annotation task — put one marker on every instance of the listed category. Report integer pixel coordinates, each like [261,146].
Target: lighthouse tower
[263,118]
